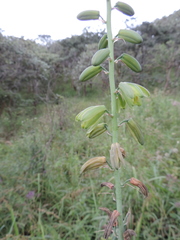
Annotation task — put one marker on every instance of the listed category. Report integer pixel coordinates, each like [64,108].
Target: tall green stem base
[119,202]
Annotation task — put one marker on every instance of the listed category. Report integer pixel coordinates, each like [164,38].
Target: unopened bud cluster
[116,156]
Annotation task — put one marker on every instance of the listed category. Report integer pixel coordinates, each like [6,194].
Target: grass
[42,195]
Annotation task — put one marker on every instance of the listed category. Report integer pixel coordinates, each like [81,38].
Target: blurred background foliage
[37,72]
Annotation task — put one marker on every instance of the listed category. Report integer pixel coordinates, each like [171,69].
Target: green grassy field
[42,195]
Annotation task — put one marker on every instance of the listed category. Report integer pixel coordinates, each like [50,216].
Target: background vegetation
[42,195]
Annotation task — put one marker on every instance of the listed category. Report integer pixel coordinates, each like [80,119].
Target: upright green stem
[114,119]
[111,74]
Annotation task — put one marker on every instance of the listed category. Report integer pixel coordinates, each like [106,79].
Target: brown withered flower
[112,222]
[107,184]
[128,234]
[140,185]
[109,212]
[123,152]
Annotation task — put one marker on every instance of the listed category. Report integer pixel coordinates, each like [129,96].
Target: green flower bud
[131,93]
[124,8]
[90,72]
[130,62]
[88,15]
[103,43]
[100,56]
[90,115]
[120,102]
[135,131]
[130,36]
[96,130]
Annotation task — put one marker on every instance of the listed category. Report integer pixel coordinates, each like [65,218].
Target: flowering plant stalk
[124,95]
